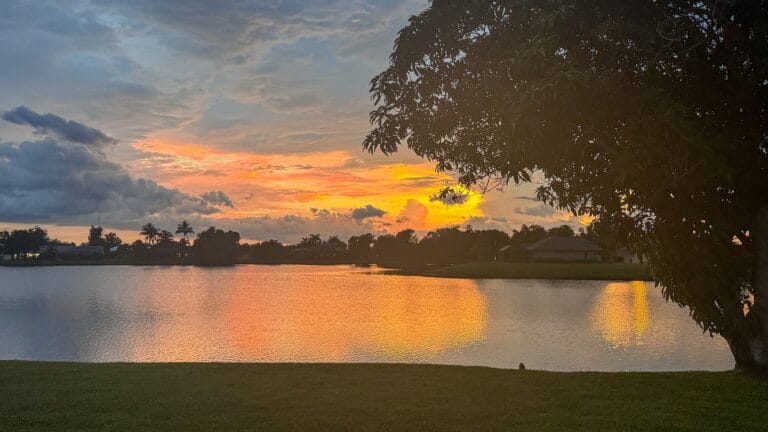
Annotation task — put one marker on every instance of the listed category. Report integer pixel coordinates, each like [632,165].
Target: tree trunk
[750,347]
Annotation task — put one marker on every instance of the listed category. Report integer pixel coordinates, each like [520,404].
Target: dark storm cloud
[48,180]
[366,212]
[53,125]
[217,198]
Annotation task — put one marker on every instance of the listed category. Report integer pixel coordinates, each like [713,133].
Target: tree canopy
[651,116]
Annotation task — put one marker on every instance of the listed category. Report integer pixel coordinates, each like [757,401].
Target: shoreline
[69,396]
[477,270]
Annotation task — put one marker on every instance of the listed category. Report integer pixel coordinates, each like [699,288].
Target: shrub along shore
[40,396]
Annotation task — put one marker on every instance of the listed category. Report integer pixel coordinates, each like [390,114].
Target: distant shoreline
[538,270]
[477,270]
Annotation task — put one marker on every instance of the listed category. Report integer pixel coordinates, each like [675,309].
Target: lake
[288,313]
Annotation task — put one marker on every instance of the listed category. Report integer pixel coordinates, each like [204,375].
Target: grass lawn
[504,270]
[207,397]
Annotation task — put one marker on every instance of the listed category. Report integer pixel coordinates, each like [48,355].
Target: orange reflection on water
[244,314]
[620,313]
[408,320]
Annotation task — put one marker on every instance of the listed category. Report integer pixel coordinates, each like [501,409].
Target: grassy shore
[204,397]
[504,270]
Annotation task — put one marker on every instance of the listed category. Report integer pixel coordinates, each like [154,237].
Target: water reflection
[406,320]
[621,313]
[342,314]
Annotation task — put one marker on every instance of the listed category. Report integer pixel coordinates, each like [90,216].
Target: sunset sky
[248,116]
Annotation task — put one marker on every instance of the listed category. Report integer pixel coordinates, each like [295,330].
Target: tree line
[449,245]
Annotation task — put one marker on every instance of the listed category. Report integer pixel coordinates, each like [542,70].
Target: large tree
[651,113]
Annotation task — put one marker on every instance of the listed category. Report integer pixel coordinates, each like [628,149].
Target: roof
[564,244]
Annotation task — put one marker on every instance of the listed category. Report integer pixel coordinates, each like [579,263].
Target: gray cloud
[51,124]
[217,198]
[366,212]
[51,181]
[291,228]
[541,210]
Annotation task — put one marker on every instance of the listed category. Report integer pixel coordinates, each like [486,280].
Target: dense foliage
[215,246]
[22,241]
[650,115]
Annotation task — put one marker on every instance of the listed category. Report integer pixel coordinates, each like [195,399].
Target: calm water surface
[343,314]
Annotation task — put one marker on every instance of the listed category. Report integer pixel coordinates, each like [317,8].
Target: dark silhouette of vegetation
[450,245]
[150,233]
[185,229]
[213,246]
[18,243]
[96,237]
[650,116]
[360,247]
[216,247]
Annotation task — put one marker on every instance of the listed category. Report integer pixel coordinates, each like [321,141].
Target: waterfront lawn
[506,270]
[204,397]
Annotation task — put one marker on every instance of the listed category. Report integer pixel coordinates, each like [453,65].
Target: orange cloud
[278,184]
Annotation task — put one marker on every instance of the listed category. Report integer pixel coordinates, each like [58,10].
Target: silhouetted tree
[112,240]
[150,233]
[561,231]
[269,250]
[487,243]
[528,234]
[22,241]
[312,241]
[397,248]
[95,237]
[360,246]
[185,229]
[336,244]
[216,247]
[655,112]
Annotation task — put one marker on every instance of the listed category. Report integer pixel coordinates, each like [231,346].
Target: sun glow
[279,184]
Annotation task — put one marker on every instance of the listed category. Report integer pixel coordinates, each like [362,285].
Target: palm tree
[184,228]
[150,233]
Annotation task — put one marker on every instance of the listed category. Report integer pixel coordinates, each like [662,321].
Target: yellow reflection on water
[620,313]
[394,318]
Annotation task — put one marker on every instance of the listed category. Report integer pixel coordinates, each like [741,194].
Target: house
[72,251]
[626,256]
[556,248]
